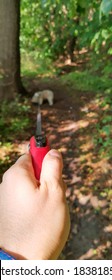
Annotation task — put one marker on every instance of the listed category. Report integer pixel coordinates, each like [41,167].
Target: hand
[34,217]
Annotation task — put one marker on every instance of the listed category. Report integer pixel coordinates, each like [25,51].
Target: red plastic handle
[38,154]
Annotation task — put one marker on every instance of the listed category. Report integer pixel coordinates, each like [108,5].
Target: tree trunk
[10,82]
[72,45]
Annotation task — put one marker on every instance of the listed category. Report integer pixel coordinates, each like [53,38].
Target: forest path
[70,126]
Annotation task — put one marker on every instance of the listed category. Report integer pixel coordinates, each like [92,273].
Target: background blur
[64,46]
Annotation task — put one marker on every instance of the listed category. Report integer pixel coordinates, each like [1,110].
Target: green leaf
[105,34]
[110,51]
[105,7]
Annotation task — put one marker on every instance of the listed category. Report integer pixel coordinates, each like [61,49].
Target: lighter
[39,147]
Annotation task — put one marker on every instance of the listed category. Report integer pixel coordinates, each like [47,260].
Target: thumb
[52,167]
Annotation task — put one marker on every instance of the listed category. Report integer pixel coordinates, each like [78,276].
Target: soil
[70,126]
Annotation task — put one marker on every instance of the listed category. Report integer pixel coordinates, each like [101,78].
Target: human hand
[34,217]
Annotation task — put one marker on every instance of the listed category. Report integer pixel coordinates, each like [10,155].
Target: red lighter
[39,147]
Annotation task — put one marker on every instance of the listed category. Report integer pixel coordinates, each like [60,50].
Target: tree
[50,28]
[10,82]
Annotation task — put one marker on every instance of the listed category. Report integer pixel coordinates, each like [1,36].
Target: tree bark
[10,82]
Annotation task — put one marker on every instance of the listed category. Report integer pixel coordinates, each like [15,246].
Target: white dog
[40,96]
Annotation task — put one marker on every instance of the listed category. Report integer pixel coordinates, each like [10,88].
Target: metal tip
[38,127]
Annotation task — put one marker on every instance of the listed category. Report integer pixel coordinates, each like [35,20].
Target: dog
[40,96]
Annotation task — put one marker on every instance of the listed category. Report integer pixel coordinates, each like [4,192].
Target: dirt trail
[70,126]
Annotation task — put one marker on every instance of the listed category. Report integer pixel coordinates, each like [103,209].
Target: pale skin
[34,217]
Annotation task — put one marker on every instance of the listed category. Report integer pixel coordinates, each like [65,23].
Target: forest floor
[70,127]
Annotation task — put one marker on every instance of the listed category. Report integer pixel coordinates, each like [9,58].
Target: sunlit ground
[71,126]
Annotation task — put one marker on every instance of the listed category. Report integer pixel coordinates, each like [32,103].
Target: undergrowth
[13,119]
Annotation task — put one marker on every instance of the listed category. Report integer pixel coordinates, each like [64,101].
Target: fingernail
[54,153]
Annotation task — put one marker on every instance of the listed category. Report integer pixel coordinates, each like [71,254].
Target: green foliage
[53,30]
[31,66]
[13,119]
[47,27]
[86,81]
[105,7]
[103,136]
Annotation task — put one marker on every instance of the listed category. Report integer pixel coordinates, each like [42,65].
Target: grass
[87,81]
[33,66]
